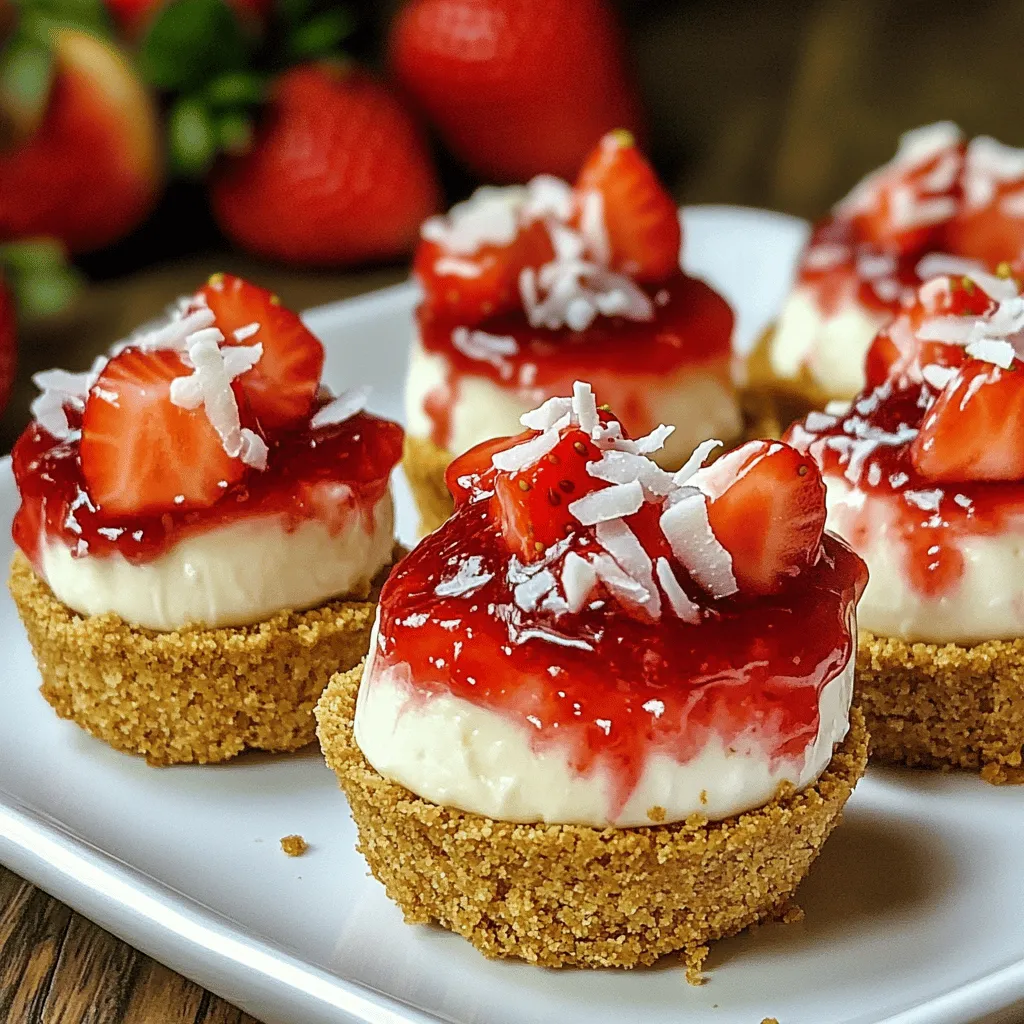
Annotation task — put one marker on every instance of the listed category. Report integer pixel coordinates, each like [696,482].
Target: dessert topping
[565,255]
[579,504]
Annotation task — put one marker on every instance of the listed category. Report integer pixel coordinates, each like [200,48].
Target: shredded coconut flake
[584,406]
[697,459]
[342,408]
[683,606]
[545,416]
[486,348]
[991,351]
[246,332]
[531,591]
[578,580]
[608,503]
[254,450]
[687,528]
[938,376]
[926,500]
[512,460]
[622,544]
[466,580]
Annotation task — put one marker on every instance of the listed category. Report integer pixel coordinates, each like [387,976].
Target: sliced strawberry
[473,471]
[767,509]
[279,390]
[641,218]
[141,454]
[899,350]
[468,289]
[905,205]
[532,504]
[975,430]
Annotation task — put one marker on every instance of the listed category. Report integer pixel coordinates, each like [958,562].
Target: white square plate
[914,912]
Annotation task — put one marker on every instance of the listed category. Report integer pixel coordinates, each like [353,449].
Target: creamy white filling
[831,347]
[699,401]
[232,575]
[457,754]
[988,603]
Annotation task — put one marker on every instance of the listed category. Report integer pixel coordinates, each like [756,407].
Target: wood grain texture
[58,968]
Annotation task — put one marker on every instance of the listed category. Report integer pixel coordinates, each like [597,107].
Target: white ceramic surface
[914,912]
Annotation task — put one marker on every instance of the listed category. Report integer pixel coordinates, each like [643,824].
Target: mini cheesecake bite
[925,478]
[526,289]
[597,682]
[942,205]
[202,531]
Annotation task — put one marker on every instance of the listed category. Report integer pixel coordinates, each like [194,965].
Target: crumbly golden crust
[192,695]
[294,846]
[561,895]
[424,462]
[777,401]
[943,705]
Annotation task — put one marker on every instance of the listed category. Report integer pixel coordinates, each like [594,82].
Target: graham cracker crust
[944,705]
[192,695]
[569,895]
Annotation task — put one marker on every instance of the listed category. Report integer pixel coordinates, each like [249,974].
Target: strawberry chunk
[532,504]
[899,350]
[468,289]
[280,389]
[767,508]
[143,455]
[641,218]
[905,206]
[473,471]
[975,430]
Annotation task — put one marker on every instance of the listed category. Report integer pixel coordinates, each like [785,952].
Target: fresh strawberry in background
[516,87]
[8,344]
[641,218]
[337,173]
[83,161]
[133,18]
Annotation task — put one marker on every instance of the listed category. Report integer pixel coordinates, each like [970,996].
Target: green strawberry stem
[39,277]
[192,136]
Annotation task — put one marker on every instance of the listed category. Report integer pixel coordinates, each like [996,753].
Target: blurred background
[147,143]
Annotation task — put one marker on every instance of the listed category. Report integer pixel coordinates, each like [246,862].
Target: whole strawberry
[516,87]
[338,173]
[91,169]
[8,344]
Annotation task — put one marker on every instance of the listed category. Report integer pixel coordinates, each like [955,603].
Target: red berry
[516,87]
[493,287]
[532,504]
[473,471]
[92,170]
[975,430]
[141,454]
[640,217]
[8,345]
[280,388]
[338,173]
[767,508]
[906,205]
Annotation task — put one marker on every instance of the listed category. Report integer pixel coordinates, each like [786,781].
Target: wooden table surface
[782,105]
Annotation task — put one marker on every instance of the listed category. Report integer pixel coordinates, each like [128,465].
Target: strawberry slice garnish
[468,289]
[641,218]
[975,429]
[532,504]
[767,508]
[280,389]
[905,206]
[473,471]
[141,454]
[898,349]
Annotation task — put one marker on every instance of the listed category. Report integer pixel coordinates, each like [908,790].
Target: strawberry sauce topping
[939,206]
[355,456]
[935,440]
[586,594]
[210,419]
[524,286]
[693,327]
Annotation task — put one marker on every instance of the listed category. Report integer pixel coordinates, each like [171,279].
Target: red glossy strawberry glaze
[359,453]
[750,667]
[836,284]
[693,326]
[929,537]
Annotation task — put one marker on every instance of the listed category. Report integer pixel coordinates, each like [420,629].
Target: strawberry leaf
[39,277]
[192,137]
[190,41]
[26,73]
